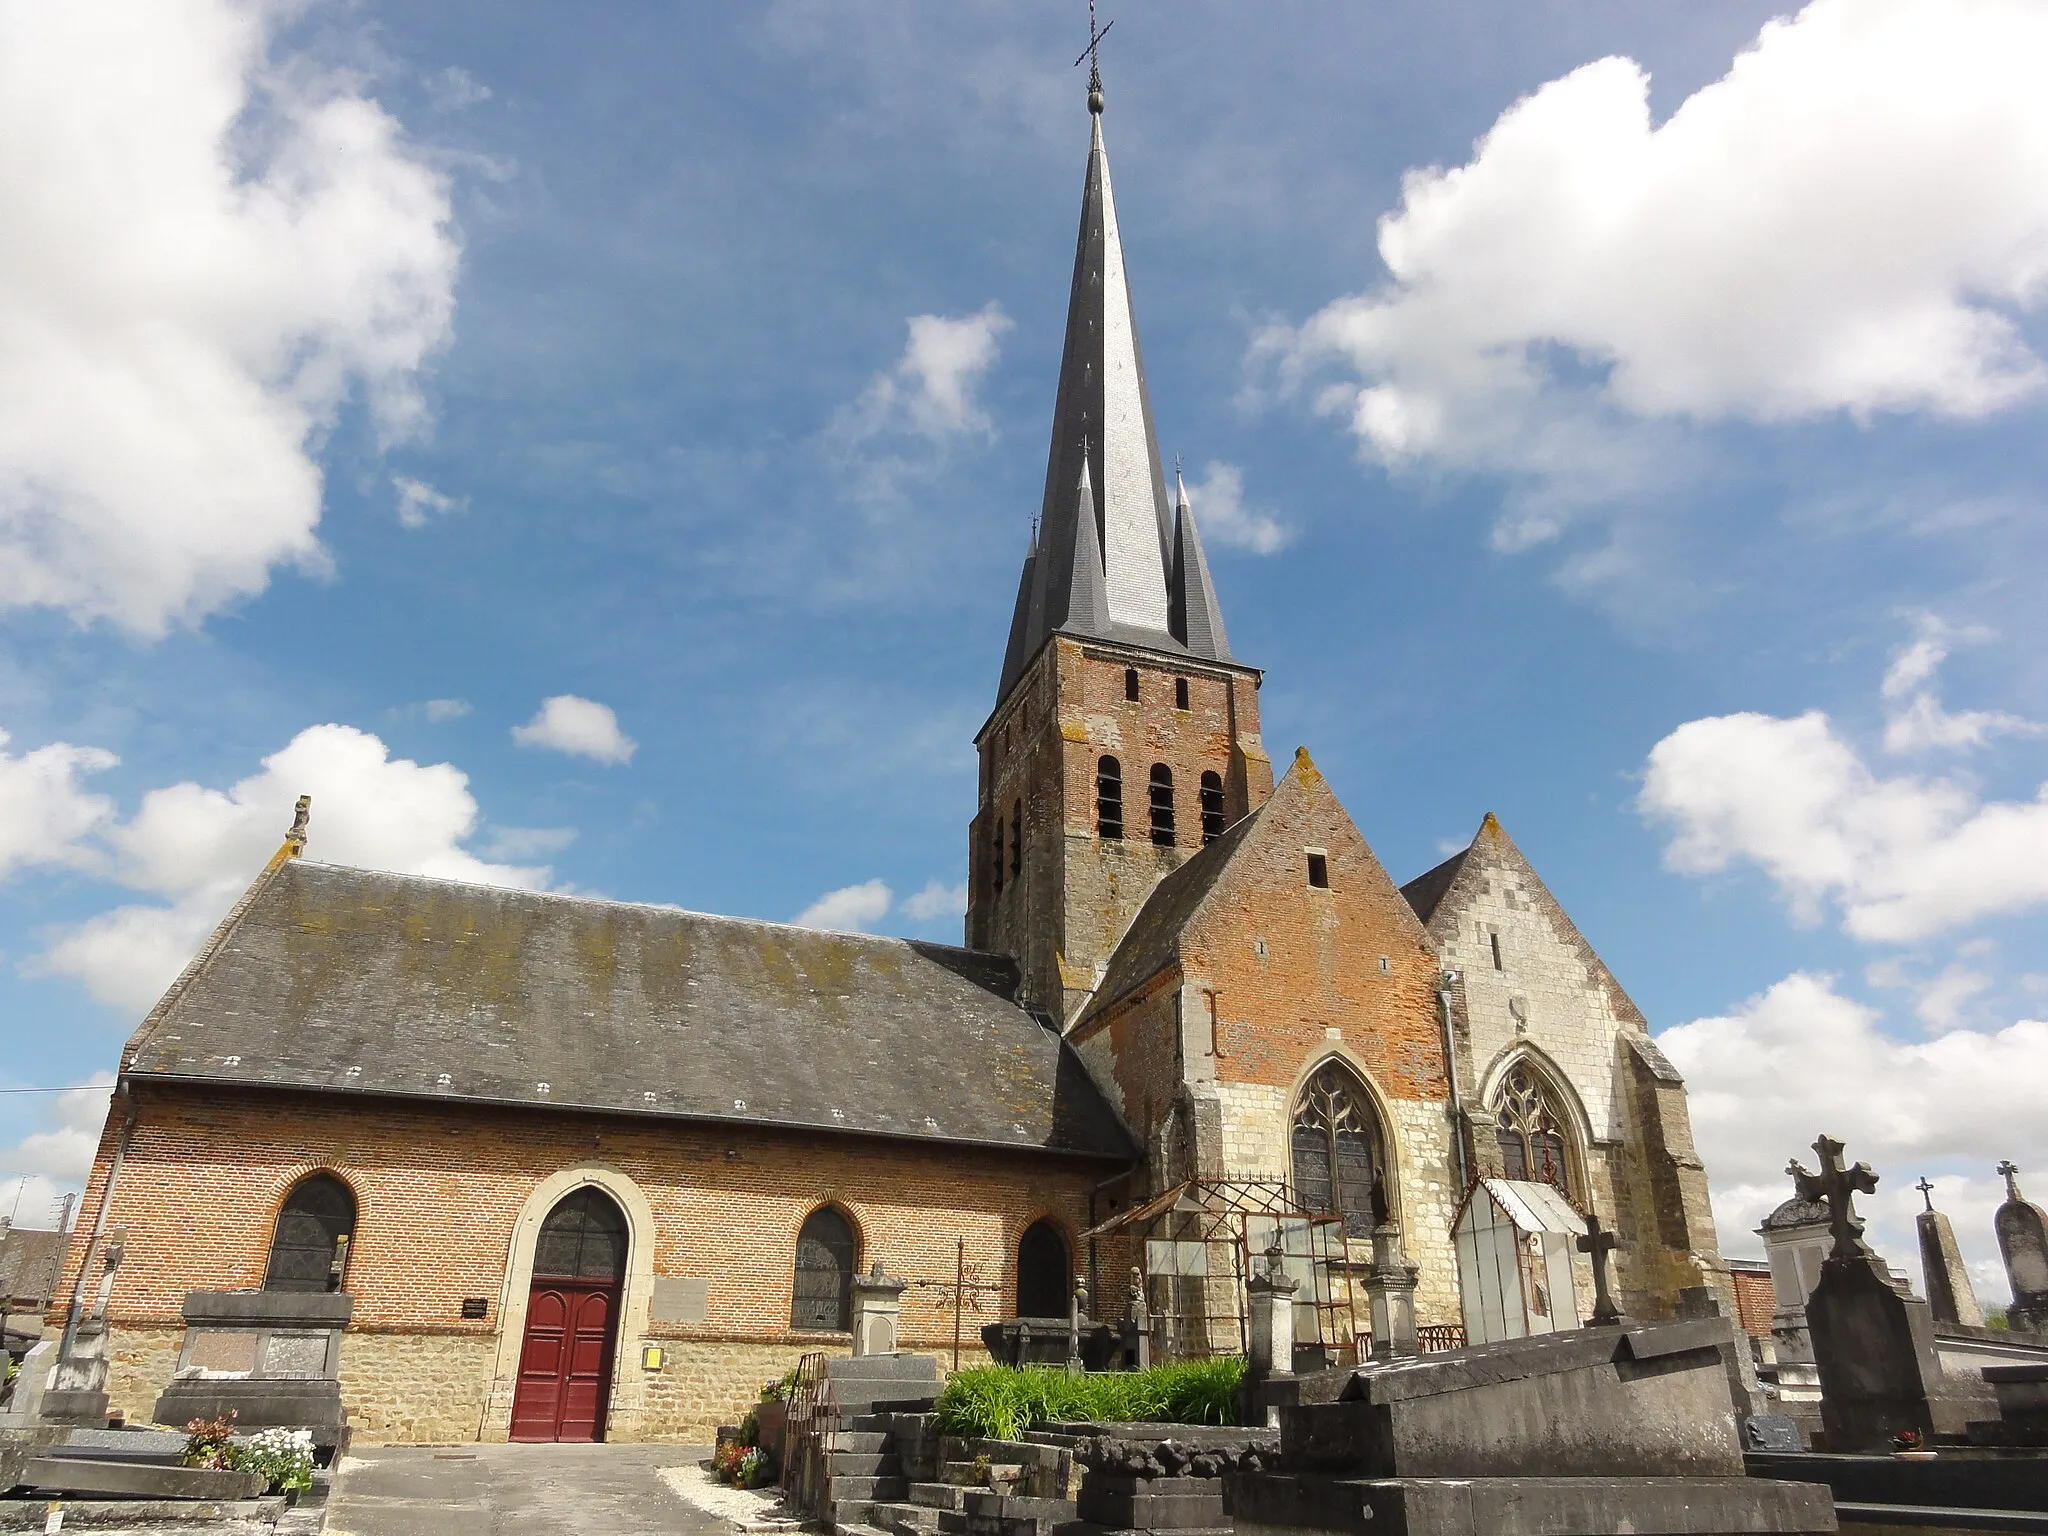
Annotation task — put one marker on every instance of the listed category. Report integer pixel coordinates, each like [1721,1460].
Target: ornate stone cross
[1598,1243]
[1838,1186]
[1926,1189]
[2011,1170]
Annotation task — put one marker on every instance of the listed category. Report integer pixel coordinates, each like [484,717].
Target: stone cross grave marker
[1838,1186]
[1926,1188]
[1598,1243]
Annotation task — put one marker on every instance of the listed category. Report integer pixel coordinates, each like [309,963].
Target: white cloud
[440,711]
[931,389]
[935,901]
[514,843]
[1902,857]
[207,250]
[455,88]
[418,502]
[580,727]
[1800,1058]
[1220,511]
[1916,721]
[851,909]
[45,1165]
[1845,222]
[44,810]
[197,849]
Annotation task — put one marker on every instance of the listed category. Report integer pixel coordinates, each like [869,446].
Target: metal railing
[805,1460]
[1434,1338]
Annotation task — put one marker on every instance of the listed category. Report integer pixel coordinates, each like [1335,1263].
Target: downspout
[1445,982]
[99,1226]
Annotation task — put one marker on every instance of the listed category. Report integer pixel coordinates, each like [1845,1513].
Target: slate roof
[1152,941]
[1430,887]
[355,981]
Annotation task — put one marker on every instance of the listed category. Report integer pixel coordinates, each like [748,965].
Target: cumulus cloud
[935,901]
[44,808]
[1800,1058]
[208,249]
[850,909]
[37,1171]
[196,849]
[1220,511]
[440,711]
[1916,721]
[580,727]
[1846,221]
[419,502]
[930,392]
[1902,857]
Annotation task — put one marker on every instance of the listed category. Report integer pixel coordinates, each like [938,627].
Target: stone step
[939,1495]
[868,1489]
[906,1519]
[854,1527]
[868,1441]
[906,1367]
[864,1464]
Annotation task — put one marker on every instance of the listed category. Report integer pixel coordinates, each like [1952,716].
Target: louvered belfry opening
[1212,807]
[310,1249]
[1109,798]
[1337,1150]
[822,1297]
[1162,805]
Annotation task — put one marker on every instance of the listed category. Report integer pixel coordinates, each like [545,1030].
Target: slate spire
[1103,439]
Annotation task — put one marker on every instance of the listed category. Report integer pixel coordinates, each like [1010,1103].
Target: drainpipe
[99,1225]
[1445,982]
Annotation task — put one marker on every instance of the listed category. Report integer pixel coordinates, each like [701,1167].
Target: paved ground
[530,1490]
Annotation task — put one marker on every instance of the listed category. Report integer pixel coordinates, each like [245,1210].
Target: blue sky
[395,369]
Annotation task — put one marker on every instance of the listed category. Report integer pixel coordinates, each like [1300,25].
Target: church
[1194,1019]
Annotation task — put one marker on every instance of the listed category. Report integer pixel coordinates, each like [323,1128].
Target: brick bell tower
[1125,736]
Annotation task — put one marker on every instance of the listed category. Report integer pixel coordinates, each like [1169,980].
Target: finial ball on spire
[1095,102]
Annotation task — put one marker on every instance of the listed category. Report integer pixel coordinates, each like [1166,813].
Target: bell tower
[1125,736]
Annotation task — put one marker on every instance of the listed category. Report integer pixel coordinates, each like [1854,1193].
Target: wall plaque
[476,1307]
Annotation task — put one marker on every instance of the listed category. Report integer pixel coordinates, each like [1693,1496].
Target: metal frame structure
[1197,1243]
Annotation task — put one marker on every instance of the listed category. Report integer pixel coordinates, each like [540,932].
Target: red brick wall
[1755,1301]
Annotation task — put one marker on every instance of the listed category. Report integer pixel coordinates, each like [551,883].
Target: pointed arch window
[1531,1131]
[1162,805]
[1212,807]
[1109,798]
[821,1299]
[1336,1146]
[309,1251]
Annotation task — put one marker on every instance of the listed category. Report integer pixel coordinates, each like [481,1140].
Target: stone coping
[1483,1365]
[268,1309]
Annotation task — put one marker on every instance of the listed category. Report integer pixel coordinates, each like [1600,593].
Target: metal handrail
[803,1441]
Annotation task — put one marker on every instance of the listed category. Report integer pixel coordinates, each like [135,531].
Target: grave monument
[1949,1292]
[2022,1229]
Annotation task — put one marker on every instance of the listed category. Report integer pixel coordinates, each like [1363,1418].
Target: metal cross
[1838,1186]
[2011,1171]
[1926,1189]
[1095,38]
[1598,1243]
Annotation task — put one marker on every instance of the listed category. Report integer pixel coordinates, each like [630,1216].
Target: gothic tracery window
[1337,1150]
[1530,1132]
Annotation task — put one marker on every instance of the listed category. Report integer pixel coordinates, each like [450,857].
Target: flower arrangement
[1906,1440]
[283,1458]
[744,1466]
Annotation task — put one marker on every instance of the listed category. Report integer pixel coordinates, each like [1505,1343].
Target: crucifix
[2011,1170]
[1095,38]
[1598,1243]
[1926,1188]
[1838,1186]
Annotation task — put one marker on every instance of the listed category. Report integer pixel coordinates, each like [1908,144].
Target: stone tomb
[1628,1427]
[272,1358]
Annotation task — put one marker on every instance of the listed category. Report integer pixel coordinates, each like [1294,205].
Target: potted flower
[1910,1445]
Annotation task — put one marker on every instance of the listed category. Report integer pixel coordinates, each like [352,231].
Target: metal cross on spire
[1095,37]
[1838,1186]
[1926,1188]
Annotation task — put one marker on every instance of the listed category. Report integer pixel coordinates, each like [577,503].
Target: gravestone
[1950,1295]
[272,1358]
[1269,1356]
[1874,1348]
[2022,1229]
[1597,1244]
[1390,1291]
[1625,1427]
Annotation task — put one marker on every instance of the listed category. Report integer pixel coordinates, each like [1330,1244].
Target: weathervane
[1095,38]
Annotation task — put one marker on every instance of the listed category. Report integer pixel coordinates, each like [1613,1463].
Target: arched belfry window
[1531,1131]
[1162,805]
[1212,807]
[1337,1163]
[1109,798]
[822,1300]
[1043,1271]
[584,1238]
[310,1249]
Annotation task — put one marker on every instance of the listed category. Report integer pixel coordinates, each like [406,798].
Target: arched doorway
[1042,1271]
[572,1321]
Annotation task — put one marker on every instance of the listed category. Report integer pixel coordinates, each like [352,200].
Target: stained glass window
[1530,1133]
[1336,1150]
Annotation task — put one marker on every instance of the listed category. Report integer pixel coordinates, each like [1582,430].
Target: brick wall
[441,1187]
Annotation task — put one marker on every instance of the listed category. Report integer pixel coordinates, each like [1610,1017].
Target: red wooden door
[565,1361]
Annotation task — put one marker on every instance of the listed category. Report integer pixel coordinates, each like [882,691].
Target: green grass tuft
[995,1402]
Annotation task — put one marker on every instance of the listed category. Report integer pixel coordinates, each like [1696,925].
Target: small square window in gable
[1318,869]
